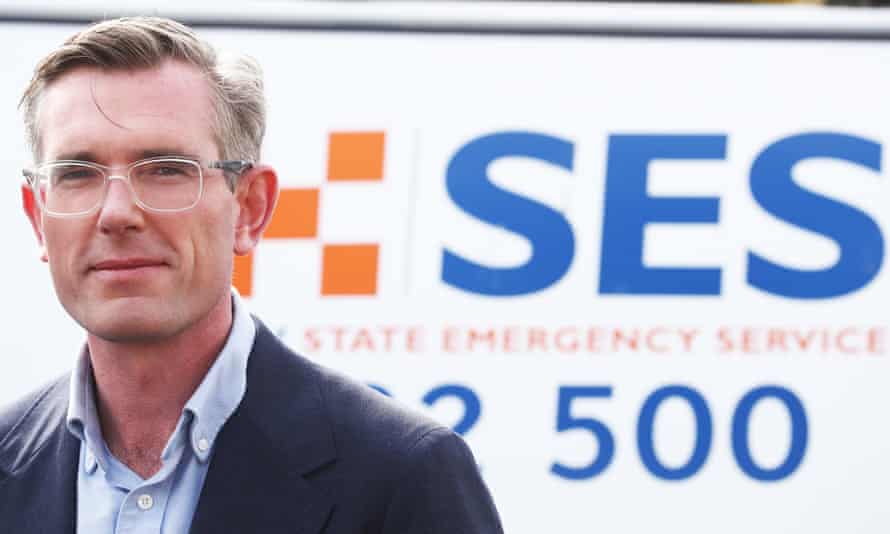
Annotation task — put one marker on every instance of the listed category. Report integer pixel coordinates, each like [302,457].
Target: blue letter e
[628,209]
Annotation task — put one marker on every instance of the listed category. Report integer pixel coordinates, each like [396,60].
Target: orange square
[242,275]
[356,156]
[296,214]
[349,270]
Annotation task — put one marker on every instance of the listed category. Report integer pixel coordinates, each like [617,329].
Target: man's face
[123,273]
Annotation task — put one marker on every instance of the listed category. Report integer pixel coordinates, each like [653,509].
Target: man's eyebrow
[86,155]
[83,155]
[155,153]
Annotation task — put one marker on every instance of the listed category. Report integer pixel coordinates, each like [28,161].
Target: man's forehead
[174,96]
[168,77]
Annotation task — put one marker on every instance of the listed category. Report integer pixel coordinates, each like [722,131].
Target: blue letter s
[551,236]
[857,235]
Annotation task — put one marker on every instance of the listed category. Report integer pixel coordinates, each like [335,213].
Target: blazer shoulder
[423,475]
[364,416]
[27,423]
[307,394]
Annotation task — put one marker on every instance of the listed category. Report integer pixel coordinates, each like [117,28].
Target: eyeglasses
[167,184]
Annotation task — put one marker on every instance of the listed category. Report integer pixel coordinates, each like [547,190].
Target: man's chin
[131,325]
[140,333]
[129,335]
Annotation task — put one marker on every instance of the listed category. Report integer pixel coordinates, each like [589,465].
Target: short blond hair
[133,43]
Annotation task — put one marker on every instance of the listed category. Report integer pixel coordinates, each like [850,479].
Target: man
[183,413]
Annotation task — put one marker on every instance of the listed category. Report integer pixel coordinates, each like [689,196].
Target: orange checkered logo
[347,269]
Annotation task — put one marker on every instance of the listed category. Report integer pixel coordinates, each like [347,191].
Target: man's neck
[142,388]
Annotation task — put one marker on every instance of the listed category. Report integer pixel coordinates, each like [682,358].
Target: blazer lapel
[246,490]
[257,480]
[45,492]
[40,494]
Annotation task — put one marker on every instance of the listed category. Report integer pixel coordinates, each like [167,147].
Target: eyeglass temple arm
[30,176]
[237,166]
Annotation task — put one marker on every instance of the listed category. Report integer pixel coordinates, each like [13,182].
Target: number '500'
[704,431]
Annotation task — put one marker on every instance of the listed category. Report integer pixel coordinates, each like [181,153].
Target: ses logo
[347,269]
[627,209]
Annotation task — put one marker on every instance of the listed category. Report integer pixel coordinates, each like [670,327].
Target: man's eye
[72,175]
[168,171]
[163,170]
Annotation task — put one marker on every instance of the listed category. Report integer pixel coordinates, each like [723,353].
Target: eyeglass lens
[70,188]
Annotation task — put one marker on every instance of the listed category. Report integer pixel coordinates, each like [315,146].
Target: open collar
[209,407]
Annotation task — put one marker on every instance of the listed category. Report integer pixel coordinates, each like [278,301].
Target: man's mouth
[126,264]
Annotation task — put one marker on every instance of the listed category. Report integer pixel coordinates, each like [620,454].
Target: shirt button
[145,502]
[90,461]
[203,444]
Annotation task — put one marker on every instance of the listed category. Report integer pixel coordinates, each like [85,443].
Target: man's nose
[119,211]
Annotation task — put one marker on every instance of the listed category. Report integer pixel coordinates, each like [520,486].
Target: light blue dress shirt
[111,498]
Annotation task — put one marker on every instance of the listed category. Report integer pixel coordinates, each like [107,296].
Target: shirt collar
[82,419]
[223,387]
[210,406]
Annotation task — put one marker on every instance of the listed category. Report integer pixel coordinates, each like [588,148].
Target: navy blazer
[308,451]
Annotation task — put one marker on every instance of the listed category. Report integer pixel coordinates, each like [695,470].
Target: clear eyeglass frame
[33,177]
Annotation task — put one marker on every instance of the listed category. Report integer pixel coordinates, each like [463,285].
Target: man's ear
[32,211]
[256,194]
